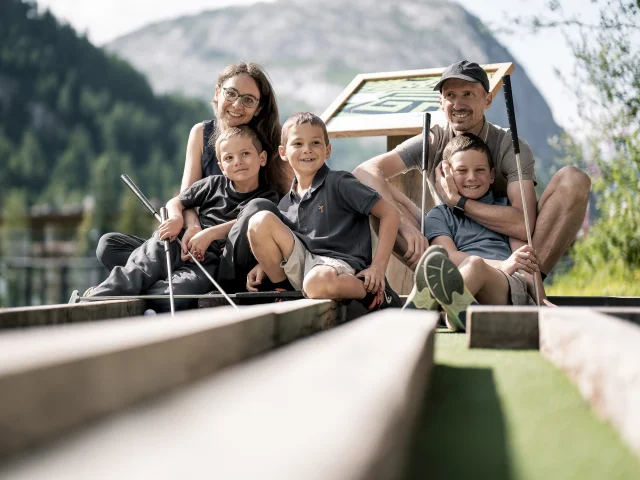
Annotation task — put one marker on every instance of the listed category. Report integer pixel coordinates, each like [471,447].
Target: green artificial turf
[496,414]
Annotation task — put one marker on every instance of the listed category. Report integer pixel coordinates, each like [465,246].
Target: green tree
[606,83]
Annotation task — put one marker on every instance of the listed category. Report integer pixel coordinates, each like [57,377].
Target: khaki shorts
[518,289]
[301,261]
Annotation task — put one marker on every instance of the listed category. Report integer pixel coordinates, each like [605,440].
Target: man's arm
[507,220]
[375,173]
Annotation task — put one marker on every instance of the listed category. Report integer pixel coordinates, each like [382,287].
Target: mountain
[312,50]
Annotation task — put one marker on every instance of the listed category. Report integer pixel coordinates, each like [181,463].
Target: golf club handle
[136,191]
[425,140]
[163,216]
[511,112]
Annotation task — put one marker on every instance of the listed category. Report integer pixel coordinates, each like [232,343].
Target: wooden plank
[53,379]
[600,354]
[497,326]
[341,405]
[65,313]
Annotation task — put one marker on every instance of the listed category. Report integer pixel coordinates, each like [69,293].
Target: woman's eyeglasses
[248,100]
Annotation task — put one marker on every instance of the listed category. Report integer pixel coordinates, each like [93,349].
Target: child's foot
[385,299]
[420,296]
[447,287]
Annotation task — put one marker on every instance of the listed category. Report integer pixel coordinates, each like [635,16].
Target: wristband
[458,209]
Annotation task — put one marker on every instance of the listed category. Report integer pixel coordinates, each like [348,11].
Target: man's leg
[561,211]
[271,242]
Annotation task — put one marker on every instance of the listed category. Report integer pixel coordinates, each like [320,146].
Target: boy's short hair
[301,118]
[464,142]
[240,131]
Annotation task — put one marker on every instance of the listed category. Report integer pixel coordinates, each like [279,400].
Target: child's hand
[255,277]
[373,278]
[170,228]
[524,259]
[199,243]
[184,244]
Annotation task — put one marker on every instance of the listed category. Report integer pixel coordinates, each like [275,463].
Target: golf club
[167,252]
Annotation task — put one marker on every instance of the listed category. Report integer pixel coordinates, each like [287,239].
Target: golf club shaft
[167,252]
[136,191]
[511,114]
[237,296]
[425,158]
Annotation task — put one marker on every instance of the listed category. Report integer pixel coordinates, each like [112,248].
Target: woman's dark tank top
[209,160]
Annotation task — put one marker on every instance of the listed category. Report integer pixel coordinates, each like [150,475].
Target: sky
[537,54]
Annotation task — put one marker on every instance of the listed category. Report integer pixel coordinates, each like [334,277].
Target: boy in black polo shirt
[220,199]
[322,237]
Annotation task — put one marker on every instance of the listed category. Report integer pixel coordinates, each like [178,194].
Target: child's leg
[488,284]
[146,265]
[324,281]
[188,279]
[271,242]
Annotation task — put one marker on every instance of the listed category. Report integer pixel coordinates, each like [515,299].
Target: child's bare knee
[320,283]
[260,222]
[474,263]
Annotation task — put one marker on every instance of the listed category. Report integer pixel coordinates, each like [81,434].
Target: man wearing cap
[464,96]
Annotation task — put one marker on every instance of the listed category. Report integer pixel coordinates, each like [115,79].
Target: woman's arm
[192,173]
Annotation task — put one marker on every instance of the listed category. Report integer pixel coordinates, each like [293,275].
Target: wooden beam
[54,379]
[601,355]
[341,405]
[496,326]
[64,313]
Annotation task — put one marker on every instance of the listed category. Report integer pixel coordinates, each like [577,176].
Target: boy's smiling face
[306,149]
[241,162]
[471,173]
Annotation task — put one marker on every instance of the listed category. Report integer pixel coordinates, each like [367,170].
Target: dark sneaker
[420,296]
[385,299]
[447,287]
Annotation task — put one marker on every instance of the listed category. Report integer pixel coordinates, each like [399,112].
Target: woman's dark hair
[266,123]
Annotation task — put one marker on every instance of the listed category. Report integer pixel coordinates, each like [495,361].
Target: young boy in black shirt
[219,198]
[321,242]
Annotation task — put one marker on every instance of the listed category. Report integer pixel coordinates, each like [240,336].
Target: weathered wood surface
[64,313]
[601,355]
[53,379]
[496,326]
[341,405]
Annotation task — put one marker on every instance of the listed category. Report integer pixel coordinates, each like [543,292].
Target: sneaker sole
[447,287]
[420,296]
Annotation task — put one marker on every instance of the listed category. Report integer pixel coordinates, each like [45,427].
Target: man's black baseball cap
[464,70]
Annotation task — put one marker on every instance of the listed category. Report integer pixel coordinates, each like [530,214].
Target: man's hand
[416,243]
[255,277]
[170,228]
[373,278]
[524,259]
[445,185]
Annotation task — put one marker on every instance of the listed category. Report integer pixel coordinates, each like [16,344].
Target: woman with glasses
[243,96]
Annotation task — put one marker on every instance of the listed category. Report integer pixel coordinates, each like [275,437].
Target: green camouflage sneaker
[420,296]
[447,287]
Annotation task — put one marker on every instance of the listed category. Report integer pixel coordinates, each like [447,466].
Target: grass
[510,415]
[610,280]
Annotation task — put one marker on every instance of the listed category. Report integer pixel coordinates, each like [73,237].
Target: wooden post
[399,275]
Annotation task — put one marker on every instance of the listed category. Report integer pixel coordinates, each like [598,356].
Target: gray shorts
[301,261]
[518,289]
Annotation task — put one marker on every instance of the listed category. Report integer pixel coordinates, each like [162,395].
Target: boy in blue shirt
[469,263]
[320,243]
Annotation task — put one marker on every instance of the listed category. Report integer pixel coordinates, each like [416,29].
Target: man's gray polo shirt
[469,236]
[332,218]
[497,139]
